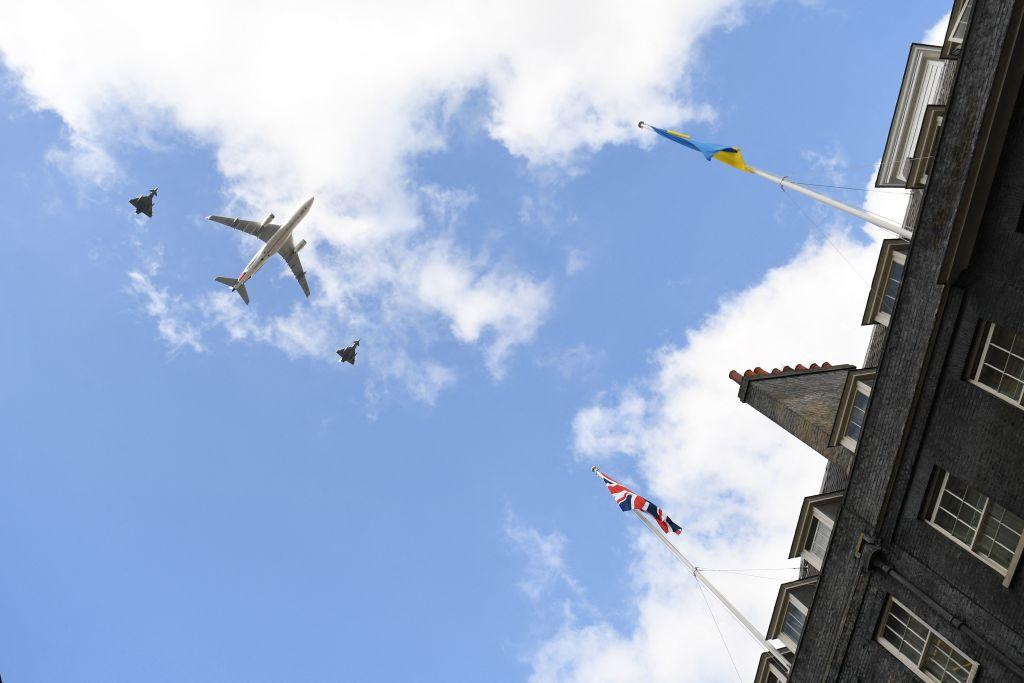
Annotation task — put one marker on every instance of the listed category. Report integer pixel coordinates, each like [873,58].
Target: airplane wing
[264,232]
[291,257]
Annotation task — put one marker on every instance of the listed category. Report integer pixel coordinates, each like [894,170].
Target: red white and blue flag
[629,500]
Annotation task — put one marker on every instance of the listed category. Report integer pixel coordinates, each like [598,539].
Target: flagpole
[784,183]
[878,221]
[751,629]
[755,634]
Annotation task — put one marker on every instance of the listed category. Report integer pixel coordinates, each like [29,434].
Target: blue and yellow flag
[725,154]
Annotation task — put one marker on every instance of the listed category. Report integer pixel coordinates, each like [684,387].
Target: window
[848,426]
[894,279]
[817,540]
[818,515]
[885,285]
[921,649]
[1000,369]
[793,623]
[959,19]
[922,81]
[919,166]
[768,670]
[858,413]
[977,523]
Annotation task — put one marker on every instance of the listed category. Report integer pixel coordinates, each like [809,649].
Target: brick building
[911,550]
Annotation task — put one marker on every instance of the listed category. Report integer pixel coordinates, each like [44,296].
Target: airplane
[277,239]
[144,203]
[348,354]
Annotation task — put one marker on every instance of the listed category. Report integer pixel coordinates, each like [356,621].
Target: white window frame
[955,35]
[897,257]
[848,441]
[791,601]
[1006,572]
[933,635]
[980,365]
[806,553]
[773,670]
[767,667]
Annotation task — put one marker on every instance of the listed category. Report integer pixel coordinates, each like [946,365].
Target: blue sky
[193,490]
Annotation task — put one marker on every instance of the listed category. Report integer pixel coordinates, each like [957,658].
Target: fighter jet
[144,204]
[348,354]
[277,240]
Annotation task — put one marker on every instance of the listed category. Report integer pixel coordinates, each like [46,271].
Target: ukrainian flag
[727,155]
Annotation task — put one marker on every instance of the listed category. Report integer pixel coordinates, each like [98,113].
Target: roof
[786,370]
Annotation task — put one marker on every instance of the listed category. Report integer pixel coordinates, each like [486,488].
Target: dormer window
[853,409]
[959,20]
[793,622]
[927,144]
[769,670]
[791,609]
[818,516]
[858,414]
[885,286]
[817,538]
[921,82]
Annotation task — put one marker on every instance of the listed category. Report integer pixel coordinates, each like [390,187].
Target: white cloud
[936,35]
[84,160]
[508,303]
[575,362]
[337,99]
[831,165]
[576,261]
[733,479]
[169,311]
[545,559]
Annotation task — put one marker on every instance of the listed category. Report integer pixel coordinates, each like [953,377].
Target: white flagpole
[751,629]
[783,183]
[879,221]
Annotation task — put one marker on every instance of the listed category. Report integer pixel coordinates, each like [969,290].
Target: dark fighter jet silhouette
[144,204]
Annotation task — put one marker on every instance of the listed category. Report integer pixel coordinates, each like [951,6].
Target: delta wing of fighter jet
[277,240]
[144,203]
[348,354]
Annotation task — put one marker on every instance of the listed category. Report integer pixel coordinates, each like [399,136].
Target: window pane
[990,377]
[1002,337]
[858,412]
[996,358]
[945,664]
[892,287]
[1018,344]
[1010,387]
[999,536]
[1015,367]
[959,510]
[817,538]
[905,633]
[793,625]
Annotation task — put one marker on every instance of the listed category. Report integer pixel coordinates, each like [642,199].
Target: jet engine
[299,246]
[267,221]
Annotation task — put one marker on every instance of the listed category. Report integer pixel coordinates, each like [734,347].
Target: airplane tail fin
[235,287]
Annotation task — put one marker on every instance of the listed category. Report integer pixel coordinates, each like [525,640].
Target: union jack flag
[628,500]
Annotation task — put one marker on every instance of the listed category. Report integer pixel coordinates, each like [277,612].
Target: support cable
[827,239]
[717,627]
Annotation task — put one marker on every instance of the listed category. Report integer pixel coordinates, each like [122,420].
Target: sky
[193,489]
